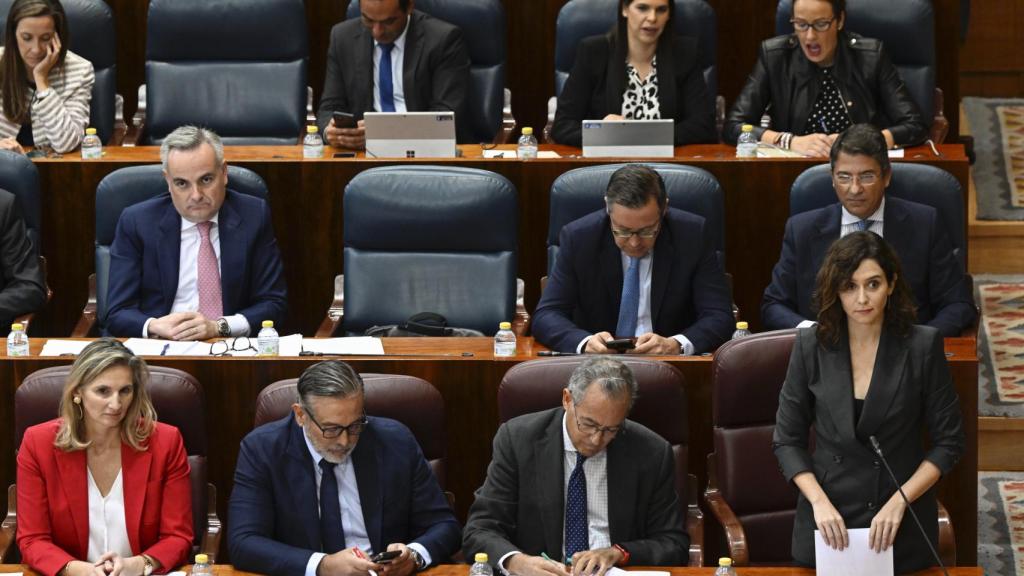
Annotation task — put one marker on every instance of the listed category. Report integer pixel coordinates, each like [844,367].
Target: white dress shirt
[186,299]
[397,61]
[107,529]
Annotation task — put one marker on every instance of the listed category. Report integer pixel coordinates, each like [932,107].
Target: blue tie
[863,225]
[577,529]
[332,534]
[626,328]
[387,91]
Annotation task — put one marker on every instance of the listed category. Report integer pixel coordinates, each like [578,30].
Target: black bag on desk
[422,324]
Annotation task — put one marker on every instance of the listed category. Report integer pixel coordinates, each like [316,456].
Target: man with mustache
[198,262]
[321,490]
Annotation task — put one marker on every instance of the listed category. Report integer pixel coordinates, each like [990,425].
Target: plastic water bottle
[527,145]
[202,567]
[505,341]
[746,146]
[268,342]
[17,341]
[725,567]
[312,144]
[741,331]
[480,566]
[92,148]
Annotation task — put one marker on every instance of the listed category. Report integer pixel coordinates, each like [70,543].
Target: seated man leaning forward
[579,483]
[640,269]
[324,488]
[198,262]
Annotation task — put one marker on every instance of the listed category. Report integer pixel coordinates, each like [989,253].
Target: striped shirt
[59,119]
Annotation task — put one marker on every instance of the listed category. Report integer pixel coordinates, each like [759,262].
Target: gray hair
[614,378]
[186,138]
[330,378]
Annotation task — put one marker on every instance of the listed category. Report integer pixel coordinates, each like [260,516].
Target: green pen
[545,556]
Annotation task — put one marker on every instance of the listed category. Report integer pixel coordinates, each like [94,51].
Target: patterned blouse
[640,101]
[829,115]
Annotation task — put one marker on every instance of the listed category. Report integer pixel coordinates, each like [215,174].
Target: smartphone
[344,154]
[344,120]
[385,557]
[620,344]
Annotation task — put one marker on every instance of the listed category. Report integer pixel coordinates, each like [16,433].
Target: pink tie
[208,275]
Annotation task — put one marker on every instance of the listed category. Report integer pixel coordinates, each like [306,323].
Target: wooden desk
[307,212]
[469,387]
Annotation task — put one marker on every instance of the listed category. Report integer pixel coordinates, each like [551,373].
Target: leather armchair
[179,400]
[483,28]
[238,67]
[19,176]
[907,28]
[119,190]
[428,239]
[661,406]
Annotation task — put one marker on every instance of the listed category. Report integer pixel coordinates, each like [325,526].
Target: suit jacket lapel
[837,383]
[169,249]
[232,257]
[610,261]
[663,260]
[666,81]
[615,79]
[886,378]
[410,64]
[894,224]
[135,475]
[367,469]
[622,486]
[548,455]
[828,228]
[73,479]
[364,79]
[302,481]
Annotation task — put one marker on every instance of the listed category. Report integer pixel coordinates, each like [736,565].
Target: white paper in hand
[855,560]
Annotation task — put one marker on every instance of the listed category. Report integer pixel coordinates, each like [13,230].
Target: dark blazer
[274,508]
[22,286]
[689,292]
[53,500]
[521,505]
[598,79]
[145,257]
[911,389]
[435,71]
[941,289]
[784,84]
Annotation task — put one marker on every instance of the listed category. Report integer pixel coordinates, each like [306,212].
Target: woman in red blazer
[106,450]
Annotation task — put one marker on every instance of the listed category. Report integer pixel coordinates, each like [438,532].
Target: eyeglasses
[864,178]
[646,233]
[590,429]
[354,429]
[240,344]
[801,26]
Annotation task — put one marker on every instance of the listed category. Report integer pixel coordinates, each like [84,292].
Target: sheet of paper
[500,154]
[355,345]
[548,155]
[897,153]
[152,347]
[290,345]
[63,347]
[768,151]
[856,560]
[613,571]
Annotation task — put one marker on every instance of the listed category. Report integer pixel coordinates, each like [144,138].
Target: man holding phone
[328,490]
[639,268]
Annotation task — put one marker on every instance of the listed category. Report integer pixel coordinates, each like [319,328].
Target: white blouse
[107,529]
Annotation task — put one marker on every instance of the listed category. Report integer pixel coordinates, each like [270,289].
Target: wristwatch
[223,329]
[421,564]
[147,570]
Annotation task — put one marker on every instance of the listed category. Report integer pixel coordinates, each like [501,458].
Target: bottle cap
[480,557]
[311,129]
[748,128]
[725,561]
[505,326]
[17,326]
[268,323]
[527,130]
[741,325]
[90,131]
[202,559]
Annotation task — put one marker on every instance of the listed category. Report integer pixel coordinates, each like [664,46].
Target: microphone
[878,450]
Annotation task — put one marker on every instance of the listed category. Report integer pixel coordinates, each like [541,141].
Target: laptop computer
[628,138]
[410,134]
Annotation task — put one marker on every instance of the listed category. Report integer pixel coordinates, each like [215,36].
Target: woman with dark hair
[103,488]
[639,70]
[864,372]
[45,88]
[819,80]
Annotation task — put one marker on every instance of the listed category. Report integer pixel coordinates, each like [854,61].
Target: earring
[78,400]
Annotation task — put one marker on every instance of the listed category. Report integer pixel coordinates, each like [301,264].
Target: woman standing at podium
[640,70]
[865,372]
[45,88]
[104,487]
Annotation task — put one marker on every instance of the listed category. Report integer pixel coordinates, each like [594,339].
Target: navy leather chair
[910,181]
[483,28]
[238,67]
[119,190]
[907,29]
[428,239]
[19,176]
[93,37]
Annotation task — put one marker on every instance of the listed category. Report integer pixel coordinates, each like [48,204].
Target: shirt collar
[875,217]
[187,225]
[399,42]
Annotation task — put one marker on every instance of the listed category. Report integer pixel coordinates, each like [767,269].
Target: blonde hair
[98,357]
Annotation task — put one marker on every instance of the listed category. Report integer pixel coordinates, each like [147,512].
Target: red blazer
[53,499]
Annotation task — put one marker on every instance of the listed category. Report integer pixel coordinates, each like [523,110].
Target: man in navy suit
[860,174]
[198,262]
[321,490]
[637,269]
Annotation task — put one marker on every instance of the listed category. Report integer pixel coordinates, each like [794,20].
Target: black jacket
[784,84]
[598,79]
[22,286]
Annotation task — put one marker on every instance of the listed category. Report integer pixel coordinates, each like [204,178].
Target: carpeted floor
[1000,345]
[1001,523]
[998,129]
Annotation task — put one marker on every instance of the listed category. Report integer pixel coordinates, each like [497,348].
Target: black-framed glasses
[645,233]
[354,429]
[223,348]
[590,429]
[864,178]
[802,26]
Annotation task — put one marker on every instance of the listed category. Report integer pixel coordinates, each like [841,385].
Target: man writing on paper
[581,484]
